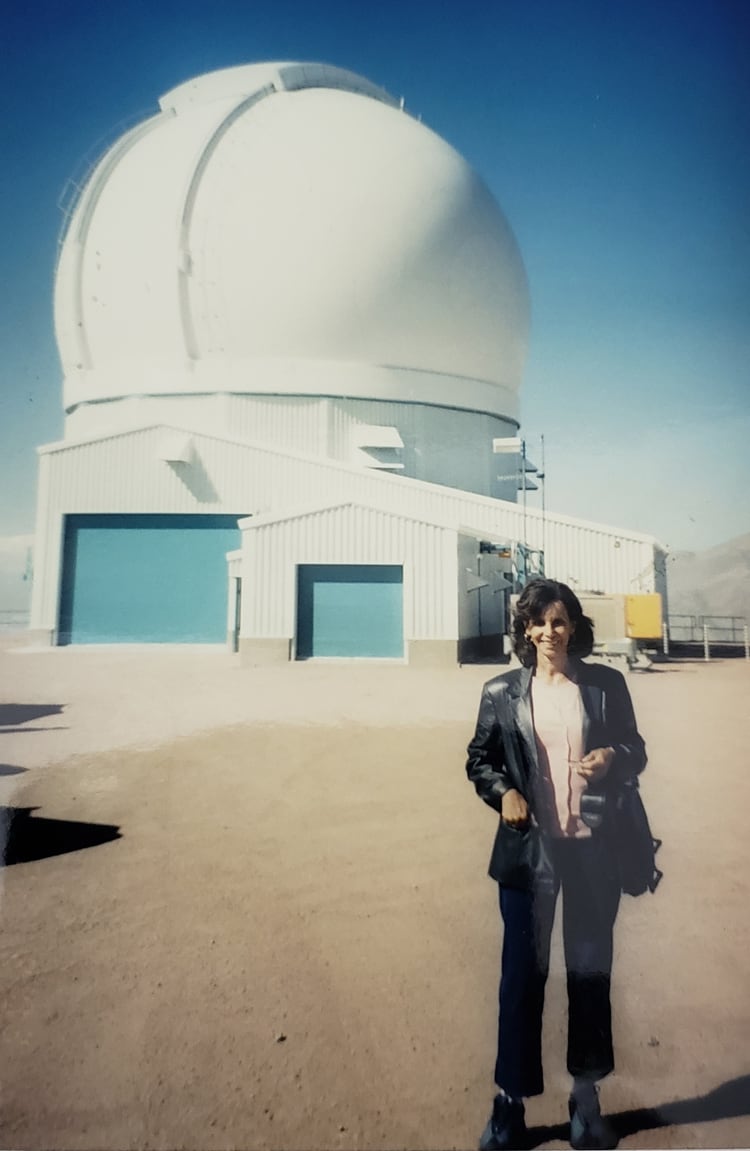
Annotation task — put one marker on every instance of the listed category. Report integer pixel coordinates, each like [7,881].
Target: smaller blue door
[350,610]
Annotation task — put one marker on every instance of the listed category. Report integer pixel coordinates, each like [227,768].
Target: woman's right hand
[514,808]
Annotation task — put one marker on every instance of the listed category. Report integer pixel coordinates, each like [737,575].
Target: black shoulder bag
[626,825]
[635,846]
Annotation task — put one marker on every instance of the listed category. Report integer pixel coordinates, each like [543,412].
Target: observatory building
[292,323]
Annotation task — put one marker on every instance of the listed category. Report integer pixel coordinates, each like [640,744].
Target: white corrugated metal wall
[349,534]
[124,473]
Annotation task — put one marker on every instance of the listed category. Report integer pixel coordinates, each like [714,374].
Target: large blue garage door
[350,610]
[145,578]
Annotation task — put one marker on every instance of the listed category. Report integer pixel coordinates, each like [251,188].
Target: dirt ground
[276,929]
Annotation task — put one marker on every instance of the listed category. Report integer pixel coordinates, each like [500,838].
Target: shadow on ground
[13,714]
[727,1101]
[9,769]
[24,837]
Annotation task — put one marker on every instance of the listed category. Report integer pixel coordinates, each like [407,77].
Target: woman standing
[553,739]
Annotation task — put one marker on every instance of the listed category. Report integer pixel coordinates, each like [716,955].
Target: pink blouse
[558,726]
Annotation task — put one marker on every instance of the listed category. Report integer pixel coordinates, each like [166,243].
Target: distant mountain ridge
[711,582]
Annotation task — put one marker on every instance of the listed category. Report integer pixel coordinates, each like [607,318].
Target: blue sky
[616,137]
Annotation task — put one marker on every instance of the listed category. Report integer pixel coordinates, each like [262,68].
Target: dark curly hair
[533,602]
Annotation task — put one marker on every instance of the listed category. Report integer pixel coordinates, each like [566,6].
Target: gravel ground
[276,930]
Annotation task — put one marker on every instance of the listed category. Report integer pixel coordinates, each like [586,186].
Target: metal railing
[725,632]
[721,628]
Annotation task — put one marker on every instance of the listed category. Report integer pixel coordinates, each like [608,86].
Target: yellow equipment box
[643,617]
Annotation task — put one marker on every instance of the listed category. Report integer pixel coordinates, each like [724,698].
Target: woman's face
[550,633]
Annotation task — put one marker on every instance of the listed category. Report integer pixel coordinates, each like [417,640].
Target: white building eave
[251,523]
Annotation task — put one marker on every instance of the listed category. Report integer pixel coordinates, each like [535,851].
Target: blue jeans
[591,896]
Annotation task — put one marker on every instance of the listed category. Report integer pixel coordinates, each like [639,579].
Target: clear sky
[616,137]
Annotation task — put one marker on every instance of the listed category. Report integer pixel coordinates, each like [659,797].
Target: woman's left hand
[596,764]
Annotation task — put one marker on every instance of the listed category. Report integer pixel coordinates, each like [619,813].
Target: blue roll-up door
[350,610]
[145,578]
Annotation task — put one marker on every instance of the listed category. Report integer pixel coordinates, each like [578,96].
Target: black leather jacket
[502,754]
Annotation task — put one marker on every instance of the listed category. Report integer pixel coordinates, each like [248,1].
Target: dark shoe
[589,1130]
[506,1129]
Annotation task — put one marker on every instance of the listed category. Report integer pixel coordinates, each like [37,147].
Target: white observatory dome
[288,230]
